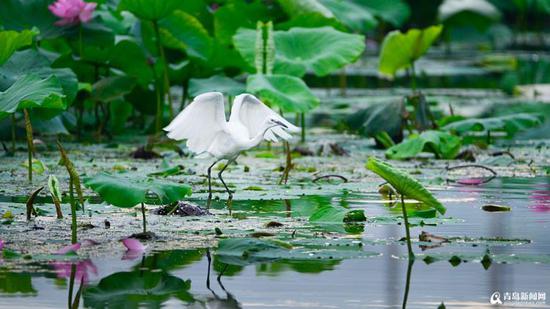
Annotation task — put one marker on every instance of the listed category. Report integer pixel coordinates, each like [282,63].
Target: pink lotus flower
[69,248]
[135,249]
[84,269]
[72,12]
[1,244]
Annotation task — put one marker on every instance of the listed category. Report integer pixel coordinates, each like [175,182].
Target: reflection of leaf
[399,50]
[443,145]
[173,259]
[128,192]
[404,183]
[16,282]
[223,84]
[136,288]
[321,50]
[289,93]
[328,213]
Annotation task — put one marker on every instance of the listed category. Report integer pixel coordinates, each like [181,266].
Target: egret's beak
[279,123]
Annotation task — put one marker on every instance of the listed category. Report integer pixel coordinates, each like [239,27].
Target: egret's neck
[259,137]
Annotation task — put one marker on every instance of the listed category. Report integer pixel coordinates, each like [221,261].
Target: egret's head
[275,122]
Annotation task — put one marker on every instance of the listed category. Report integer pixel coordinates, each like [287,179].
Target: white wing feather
[199,122]
[252,113]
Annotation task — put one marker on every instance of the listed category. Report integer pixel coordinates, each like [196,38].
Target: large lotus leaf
[399,50]
[286,92]
[30,62]
[442,144]
[20,15]
[12,41]
[127,192]
[378,118]
[218,83]
[395,12]
[404,183]
[337,214]
[153,10]
[511,124]
[53,126]
[129,57]
[539,6]
[183,31]
[134,289]
[112,88]
[354,16]
[32,91]
[450,8]
[300,7]
[234,15]
[321,50]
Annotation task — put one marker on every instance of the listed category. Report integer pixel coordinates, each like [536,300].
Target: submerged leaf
[404,183]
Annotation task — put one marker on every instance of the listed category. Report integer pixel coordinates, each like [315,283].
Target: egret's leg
[225,185]
[210,185]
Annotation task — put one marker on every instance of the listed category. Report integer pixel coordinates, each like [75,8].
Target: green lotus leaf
[32,91]
[223,84]
[400,50]
[128,192]
[12,41]
[333,214]
[510,124]
[288,93]
[355,16]
[321,50]
[404,183]
[181,30]
[153,10]
[442,144]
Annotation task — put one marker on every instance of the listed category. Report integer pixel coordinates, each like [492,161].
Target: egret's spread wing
[199,122]
[252,113]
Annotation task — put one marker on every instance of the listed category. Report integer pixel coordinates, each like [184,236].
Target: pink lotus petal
[69,248]
[83,269]
[1,244]
[133,244]
[89,243]
[130,255]
[471,181]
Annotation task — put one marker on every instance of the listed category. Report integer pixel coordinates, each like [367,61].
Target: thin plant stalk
[13,133]
[71,285]
[413,78]
[30,146]
[162,56]
[408,234]
[303,123]
[407,283]
[80,41]
[74,237]
[144,220]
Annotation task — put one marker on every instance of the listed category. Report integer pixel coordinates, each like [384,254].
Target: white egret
[209,134]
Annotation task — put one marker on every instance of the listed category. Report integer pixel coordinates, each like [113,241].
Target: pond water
[483,253]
